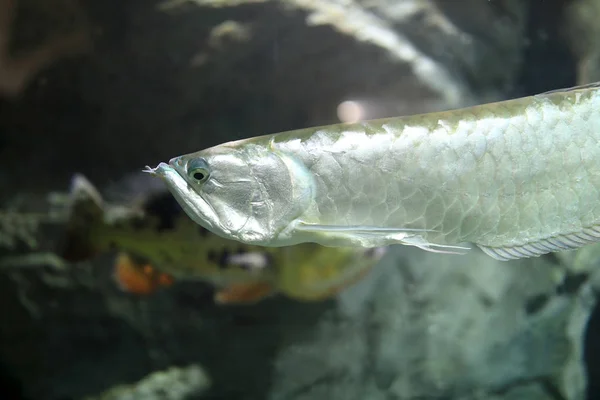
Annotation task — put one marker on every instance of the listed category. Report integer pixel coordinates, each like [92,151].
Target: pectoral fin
[373,236]
[244,293]
[357,229]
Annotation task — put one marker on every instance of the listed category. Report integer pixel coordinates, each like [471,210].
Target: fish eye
[198,170]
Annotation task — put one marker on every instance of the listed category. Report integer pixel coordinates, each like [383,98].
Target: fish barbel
[157,245]
[518,178]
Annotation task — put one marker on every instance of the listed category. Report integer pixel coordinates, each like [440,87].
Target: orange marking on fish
[243,293]
[140,280]
[165,280]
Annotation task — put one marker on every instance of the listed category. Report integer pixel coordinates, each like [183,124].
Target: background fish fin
[82,190]
[85,210]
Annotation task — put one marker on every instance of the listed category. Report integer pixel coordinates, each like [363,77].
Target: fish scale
[517,178]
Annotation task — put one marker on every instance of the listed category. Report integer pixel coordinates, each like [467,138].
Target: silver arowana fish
[517,178]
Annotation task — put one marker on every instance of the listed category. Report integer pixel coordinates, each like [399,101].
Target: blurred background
[105,88]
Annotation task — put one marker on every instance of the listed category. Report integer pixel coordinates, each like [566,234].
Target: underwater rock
[171,384]
[421,325]
[432,326]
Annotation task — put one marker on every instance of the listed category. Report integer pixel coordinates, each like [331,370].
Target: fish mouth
[162,170]
[198,209]
[158,171]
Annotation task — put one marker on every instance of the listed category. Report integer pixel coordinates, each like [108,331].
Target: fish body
[518,178]
[157,244]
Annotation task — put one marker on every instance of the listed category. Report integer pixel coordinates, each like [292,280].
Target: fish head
[240,190]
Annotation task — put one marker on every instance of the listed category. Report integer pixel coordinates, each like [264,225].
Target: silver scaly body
[518,178]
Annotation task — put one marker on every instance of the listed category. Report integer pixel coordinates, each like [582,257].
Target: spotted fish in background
[518,178]
[157,244]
